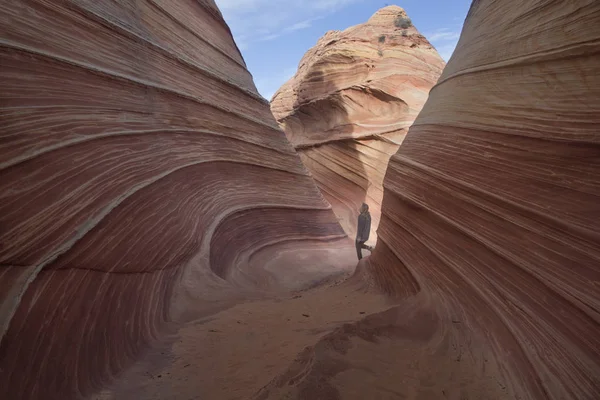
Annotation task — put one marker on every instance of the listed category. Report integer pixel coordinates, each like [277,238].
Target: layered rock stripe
[492,202]
[139,172]
[350,104]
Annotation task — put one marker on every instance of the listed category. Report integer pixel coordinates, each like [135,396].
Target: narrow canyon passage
[161,237]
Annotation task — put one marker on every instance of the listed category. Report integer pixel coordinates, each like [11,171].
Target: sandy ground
[337,341]
[234,353]
[405,352]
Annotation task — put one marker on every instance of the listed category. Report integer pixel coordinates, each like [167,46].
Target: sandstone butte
[156,226]
[350,104]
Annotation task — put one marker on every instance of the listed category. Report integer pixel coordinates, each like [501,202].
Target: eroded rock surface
[140,174]
[130,188]
[350,104]
[490,216]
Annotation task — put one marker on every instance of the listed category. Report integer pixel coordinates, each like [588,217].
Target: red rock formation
[139,170]
[350,104]
[492,202]
[489,227]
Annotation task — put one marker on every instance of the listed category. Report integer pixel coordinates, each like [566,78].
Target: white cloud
[301,25]
[444,40]
[292,28]
[271,36]
[259,20]
[440,36]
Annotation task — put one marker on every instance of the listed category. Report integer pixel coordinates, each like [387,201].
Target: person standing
[363,230]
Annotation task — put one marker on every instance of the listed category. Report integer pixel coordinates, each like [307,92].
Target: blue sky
[273,35]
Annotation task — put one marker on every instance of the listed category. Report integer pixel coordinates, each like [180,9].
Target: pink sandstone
[142,183]
[490,225]
[139,167]
[350,104]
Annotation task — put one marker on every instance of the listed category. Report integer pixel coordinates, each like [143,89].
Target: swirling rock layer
[489,234]
[492,202]
[349,106]
[140,171]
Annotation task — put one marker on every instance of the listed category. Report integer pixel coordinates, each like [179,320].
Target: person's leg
[359,246]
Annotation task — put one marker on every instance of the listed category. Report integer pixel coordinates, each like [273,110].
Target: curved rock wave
[488,237]
[491,201]
[136,158]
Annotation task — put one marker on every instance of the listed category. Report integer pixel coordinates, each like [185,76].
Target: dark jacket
[364,227]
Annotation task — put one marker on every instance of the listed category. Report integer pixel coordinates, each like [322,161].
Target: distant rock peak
[390,15]
[349,105]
